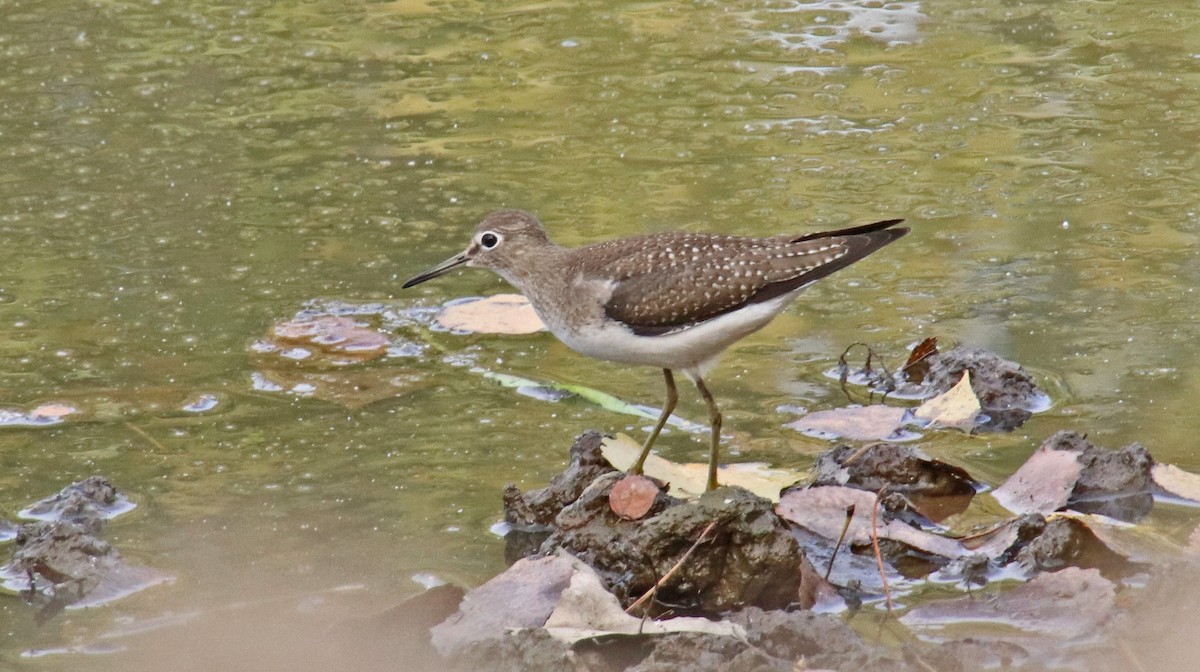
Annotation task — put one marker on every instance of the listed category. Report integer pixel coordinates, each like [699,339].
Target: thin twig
[671,572]
[841,538]
[875,544]
[142,433]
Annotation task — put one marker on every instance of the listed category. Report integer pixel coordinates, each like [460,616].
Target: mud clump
[538,508]
[749,558]
[935,488]
[1114,483]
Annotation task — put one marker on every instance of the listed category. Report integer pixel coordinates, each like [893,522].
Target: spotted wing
[671,282]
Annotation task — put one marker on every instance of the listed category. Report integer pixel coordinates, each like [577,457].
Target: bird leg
[668,408]
[714,415]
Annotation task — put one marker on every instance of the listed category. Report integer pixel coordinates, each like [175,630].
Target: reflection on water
[178,177]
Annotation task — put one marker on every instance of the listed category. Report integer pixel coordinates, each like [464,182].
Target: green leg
[714,415]
[668,408]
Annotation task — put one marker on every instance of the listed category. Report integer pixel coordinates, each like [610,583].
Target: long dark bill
[441,269]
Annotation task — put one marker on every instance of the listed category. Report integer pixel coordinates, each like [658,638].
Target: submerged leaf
[499,314]
[857,423]
[1060,605]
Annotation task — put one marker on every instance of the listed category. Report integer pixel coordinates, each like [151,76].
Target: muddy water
[177,177]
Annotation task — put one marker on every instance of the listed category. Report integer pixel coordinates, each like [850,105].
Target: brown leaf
[857,423]
[918,361]
[523,596]
[499,314]
[329,334]
[1043,484]
[1063,604]
[822,510]
[633,496]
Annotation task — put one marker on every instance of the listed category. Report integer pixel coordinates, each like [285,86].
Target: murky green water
[176,177]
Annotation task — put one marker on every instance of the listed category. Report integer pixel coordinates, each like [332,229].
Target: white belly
[691,350]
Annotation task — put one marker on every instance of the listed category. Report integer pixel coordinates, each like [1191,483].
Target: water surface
[177,177]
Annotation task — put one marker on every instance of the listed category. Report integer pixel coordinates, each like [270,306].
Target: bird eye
[489,240]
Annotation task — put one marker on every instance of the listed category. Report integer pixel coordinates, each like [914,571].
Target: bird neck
[537,271]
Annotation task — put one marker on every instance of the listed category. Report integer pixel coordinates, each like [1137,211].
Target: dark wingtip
[857,230]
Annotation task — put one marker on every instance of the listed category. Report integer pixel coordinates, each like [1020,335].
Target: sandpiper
[670,300]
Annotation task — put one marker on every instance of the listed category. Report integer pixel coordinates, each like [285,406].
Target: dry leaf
[1176,481]
[822,510]
[1063,604]
[689,480]
[917,366]
[523,596]
[1043,484]
[499,314]
[633,496]
[857,423]
[1136,543]
[586,610]
[957,407]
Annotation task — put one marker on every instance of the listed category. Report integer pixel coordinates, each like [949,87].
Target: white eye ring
[488,240]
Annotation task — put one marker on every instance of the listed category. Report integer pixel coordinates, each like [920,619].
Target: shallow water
[177,177]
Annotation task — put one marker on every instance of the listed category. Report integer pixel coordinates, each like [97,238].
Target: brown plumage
[701,276]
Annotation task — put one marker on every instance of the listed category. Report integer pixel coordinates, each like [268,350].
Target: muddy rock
[821,640]
[60,556]
[936,488]
[529,591]
[1005,391]
[538,508]
[749,559]
[687,651]
[775,641]
[1114,483]
[59,561]
[87,503]
[968,655]
[521,651]
[1064,542]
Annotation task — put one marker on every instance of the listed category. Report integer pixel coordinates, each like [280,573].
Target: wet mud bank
[733,581]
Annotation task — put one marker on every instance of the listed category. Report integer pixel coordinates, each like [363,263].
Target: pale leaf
[587,610]
[499,314]
[857,423]
[1176,481]
[689,480]
[957,407]
[1043,483]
